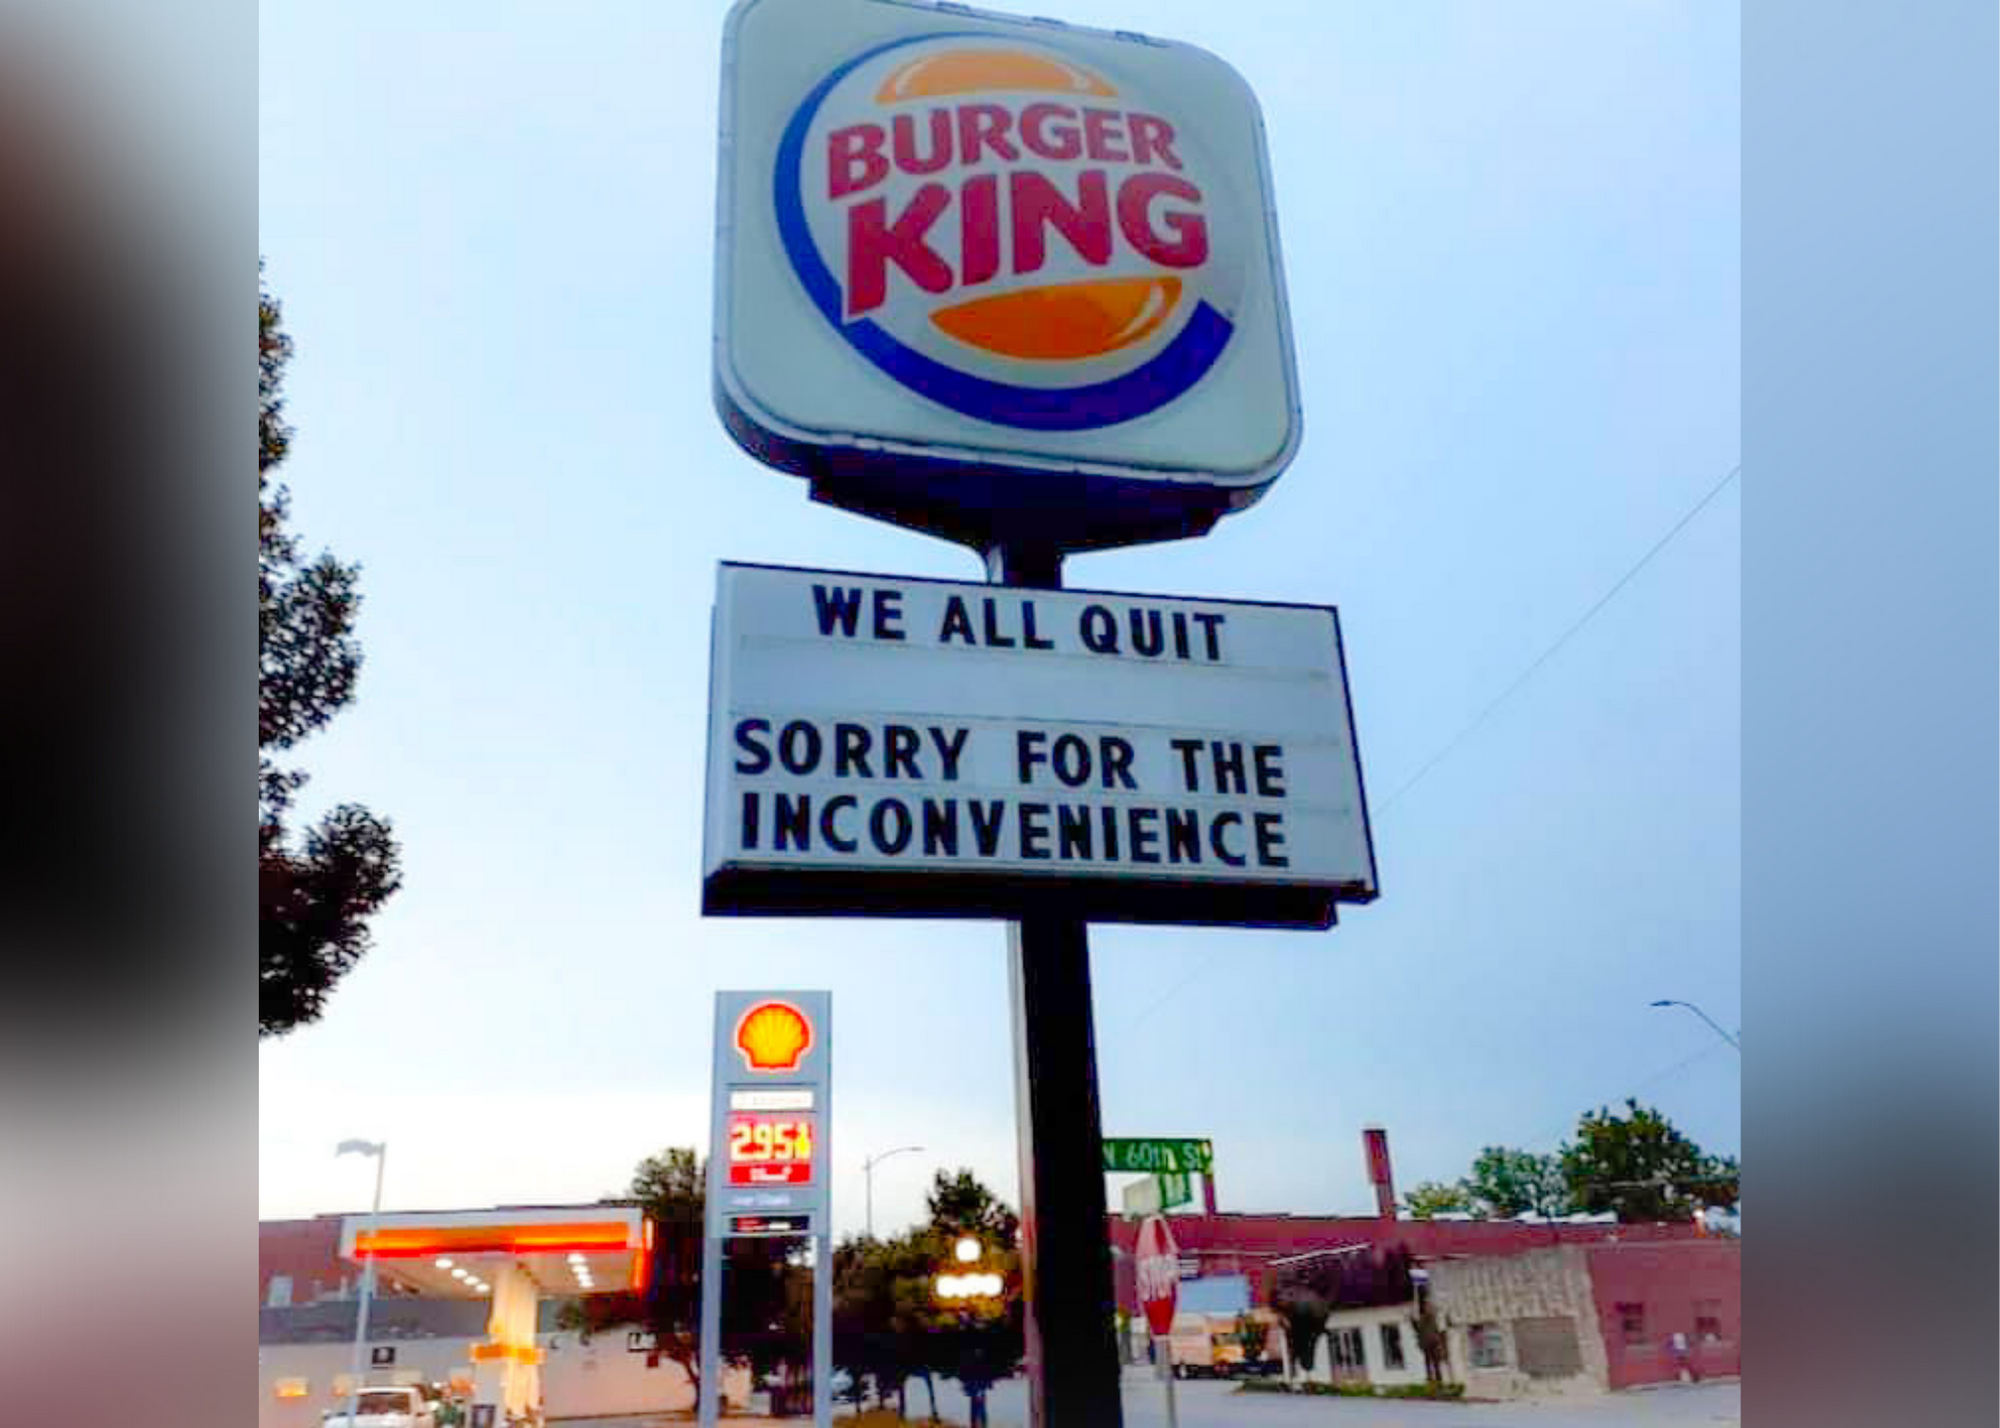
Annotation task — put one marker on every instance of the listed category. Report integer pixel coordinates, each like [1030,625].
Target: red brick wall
[306,1250]
[1668,1281]
[1245,1244]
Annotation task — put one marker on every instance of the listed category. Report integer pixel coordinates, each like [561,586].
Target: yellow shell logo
[773,1036]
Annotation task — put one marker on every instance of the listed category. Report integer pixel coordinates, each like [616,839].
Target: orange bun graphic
[971,71]
[773,1036]
[1066,320]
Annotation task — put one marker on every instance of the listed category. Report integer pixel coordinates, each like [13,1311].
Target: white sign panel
[883,746]
[970,261]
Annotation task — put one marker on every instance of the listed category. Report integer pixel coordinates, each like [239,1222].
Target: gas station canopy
[459,1254]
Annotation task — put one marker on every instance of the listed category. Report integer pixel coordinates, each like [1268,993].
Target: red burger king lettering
[1134,192]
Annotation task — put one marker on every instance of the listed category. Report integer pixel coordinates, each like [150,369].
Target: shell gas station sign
[968,261]
[767,1173]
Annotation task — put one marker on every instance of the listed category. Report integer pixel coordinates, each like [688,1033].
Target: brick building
[1247,1245]
[1528,1309]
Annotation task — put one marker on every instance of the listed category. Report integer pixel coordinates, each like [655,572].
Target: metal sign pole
[1163,1354]
[1072,1346]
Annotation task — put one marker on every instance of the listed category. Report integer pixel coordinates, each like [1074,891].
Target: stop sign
[1158,1265]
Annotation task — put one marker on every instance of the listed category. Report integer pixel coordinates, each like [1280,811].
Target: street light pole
[1713,1024]
[868,1179]
[380,1150]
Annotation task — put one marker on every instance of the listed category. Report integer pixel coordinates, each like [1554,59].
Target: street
[1219,1405]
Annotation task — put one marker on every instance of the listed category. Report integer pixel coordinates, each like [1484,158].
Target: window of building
[1348,1349]
[279,1294]
[1392,1346]
[1488,1344]
[1632,1325]
[1708,1320]
[1546,1346]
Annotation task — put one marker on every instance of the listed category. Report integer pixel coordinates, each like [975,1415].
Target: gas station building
[468,1298]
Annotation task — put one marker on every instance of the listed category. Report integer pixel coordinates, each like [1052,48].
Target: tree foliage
[764,1313]
[316,890]
[1505,1183]
[1639,1166]
[1428,1199]
[889,1324]
[669,1188]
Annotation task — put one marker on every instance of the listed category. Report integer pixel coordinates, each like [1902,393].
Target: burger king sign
[990,277]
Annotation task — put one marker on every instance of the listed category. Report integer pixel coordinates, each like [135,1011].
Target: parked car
[384,1406]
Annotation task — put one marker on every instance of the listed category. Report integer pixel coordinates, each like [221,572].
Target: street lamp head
[359,1147]
[1663,1004]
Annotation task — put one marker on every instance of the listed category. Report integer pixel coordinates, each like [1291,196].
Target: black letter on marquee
[1027,753]
[828,833]
[837,607]
[788,754]
[941,827]
[888,842]
[1117,757]
[1144,834]
[1270,771]
[1073,831]
[850,750]
[793,817]
[1221,848]
[949,749]
[745,728]
[1210,624]
[899,751]
[956,622]
[1029,639]
[1035,831]
[1270,838]
[1099,629]
[986,817]
[889,615]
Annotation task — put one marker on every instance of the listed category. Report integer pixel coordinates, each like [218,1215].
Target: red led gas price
[766,1149]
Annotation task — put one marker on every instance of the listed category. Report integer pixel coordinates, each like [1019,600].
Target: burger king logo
[1022,238]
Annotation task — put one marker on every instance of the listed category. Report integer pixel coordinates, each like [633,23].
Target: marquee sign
[883,746]
[968,262]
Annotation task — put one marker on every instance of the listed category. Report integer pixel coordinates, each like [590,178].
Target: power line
[1633,1094]
[1480,718]
[1564,638]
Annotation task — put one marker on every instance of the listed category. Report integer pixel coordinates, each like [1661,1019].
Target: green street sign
[1183,1157]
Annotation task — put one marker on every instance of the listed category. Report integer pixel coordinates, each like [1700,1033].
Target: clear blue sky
[1510,232]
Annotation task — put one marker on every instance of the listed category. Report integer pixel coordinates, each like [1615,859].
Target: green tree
[979,1341]
[317,890]
[1506,1183]
[1640,1167]
[1429,1199]
[960,1205]
[670,1188]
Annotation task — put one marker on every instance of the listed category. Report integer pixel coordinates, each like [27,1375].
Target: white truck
[384,1406]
